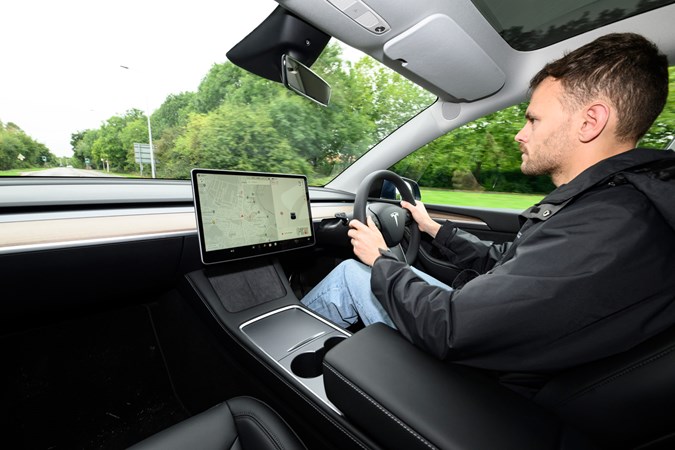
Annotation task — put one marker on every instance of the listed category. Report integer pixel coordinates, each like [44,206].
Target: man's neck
[586,157]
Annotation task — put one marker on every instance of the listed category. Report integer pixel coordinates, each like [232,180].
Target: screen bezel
[247,251]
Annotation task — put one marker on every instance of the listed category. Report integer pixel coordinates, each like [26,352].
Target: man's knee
[354,270]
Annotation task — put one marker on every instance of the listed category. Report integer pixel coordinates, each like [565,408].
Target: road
[67,172]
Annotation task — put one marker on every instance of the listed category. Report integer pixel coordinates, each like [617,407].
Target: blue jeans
[345,295]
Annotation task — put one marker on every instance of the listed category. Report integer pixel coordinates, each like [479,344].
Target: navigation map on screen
[251,213]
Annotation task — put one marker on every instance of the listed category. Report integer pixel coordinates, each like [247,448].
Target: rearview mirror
[302,80]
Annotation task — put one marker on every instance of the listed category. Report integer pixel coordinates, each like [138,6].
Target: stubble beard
[547,157]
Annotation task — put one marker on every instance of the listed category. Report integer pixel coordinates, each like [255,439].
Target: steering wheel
[390,219]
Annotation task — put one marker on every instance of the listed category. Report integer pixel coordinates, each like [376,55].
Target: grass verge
[16,172]
[480,199]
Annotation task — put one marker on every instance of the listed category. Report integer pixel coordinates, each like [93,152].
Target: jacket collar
[602,170]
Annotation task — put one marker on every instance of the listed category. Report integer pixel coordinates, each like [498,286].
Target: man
[591,272]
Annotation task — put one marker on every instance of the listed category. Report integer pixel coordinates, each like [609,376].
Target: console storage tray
[296,340]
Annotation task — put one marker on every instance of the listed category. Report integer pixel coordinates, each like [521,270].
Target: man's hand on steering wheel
[367,240]
[422,217]
[390,218]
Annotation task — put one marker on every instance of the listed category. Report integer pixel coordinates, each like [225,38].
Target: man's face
[546,139]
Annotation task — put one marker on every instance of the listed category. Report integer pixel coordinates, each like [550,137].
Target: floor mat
[94,383]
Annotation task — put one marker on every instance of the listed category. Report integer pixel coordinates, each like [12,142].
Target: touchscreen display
[246,214]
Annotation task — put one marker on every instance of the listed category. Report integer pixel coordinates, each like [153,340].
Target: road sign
[142,153]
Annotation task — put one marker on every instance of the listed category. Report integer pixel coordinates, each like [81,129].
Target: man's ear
[595,118]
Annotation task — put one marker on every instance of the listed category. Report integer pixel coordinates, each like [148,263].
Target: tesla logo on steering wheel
[394,215]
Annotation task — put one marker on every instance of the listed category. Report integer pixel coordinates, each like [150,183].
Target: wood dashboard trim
[458,218]
[92,228]
[22,234]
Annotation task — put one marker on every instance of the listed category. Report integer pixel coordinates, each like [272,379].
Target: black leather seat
[241,423]
[624,401]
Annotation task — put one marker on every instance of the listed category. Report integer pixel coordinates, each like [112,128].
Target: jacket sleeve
[467,251]
[557,302]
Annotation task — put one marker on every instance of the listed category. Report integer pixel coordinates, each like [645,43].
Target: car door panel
[487,224]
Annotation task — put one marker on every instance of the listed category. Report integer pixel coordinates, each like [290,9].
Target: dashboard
[40,214]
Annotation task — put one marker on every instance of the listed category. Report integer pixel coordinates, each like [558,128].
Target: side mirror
[300,79]
[390,192]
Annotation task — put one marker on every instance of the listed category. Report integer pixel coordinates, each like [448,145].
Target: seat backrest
[624,401]
[243,423]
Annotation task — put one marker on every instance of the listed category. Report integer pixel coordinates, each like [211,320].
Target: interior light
[362,14]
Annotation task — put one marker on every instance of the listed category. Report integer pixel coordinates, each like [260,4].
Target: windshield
[90,89]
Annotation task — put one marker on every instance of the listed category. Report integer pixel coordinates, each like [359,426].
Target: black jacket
[592,277]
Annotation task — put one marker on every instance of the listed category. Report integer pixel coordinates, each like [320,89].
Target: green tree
[388,98]
[114,140]
[18,150]
[302,124]
[234,138]
[82,143]
[173,113]
[229,83]
[10,148]
[663,130]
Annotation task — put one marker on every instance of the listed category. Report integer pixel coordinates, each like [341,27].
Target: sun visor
[280,33]
[439,51]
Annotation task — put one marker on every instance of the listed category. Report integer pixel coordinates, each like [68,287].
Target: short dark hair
[624,68]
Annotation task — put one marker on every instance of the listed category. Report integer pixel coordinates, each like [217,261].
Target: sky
[60,71]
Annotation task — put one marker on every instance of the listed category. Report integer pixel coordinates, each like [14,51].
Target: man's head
[602,97]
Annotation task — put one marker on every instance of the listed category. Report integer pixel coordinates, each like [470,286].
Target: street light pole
[152,150]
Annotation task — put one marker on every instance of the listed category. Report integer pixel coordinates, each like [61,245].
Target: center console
[297,341]
[252,304]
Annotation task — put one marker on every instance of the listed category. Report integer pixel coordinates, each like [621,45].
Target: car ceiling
[403,17]
[452,51]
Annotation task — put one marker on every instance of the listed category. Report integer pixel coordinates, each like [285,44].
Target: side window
[662,132]
[476,165]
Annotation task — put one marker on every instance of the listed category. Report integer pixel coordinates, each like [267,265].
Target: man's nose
[521,136]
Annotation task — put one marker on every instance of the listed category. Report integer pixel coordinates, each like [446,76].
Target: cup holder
[309,364]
